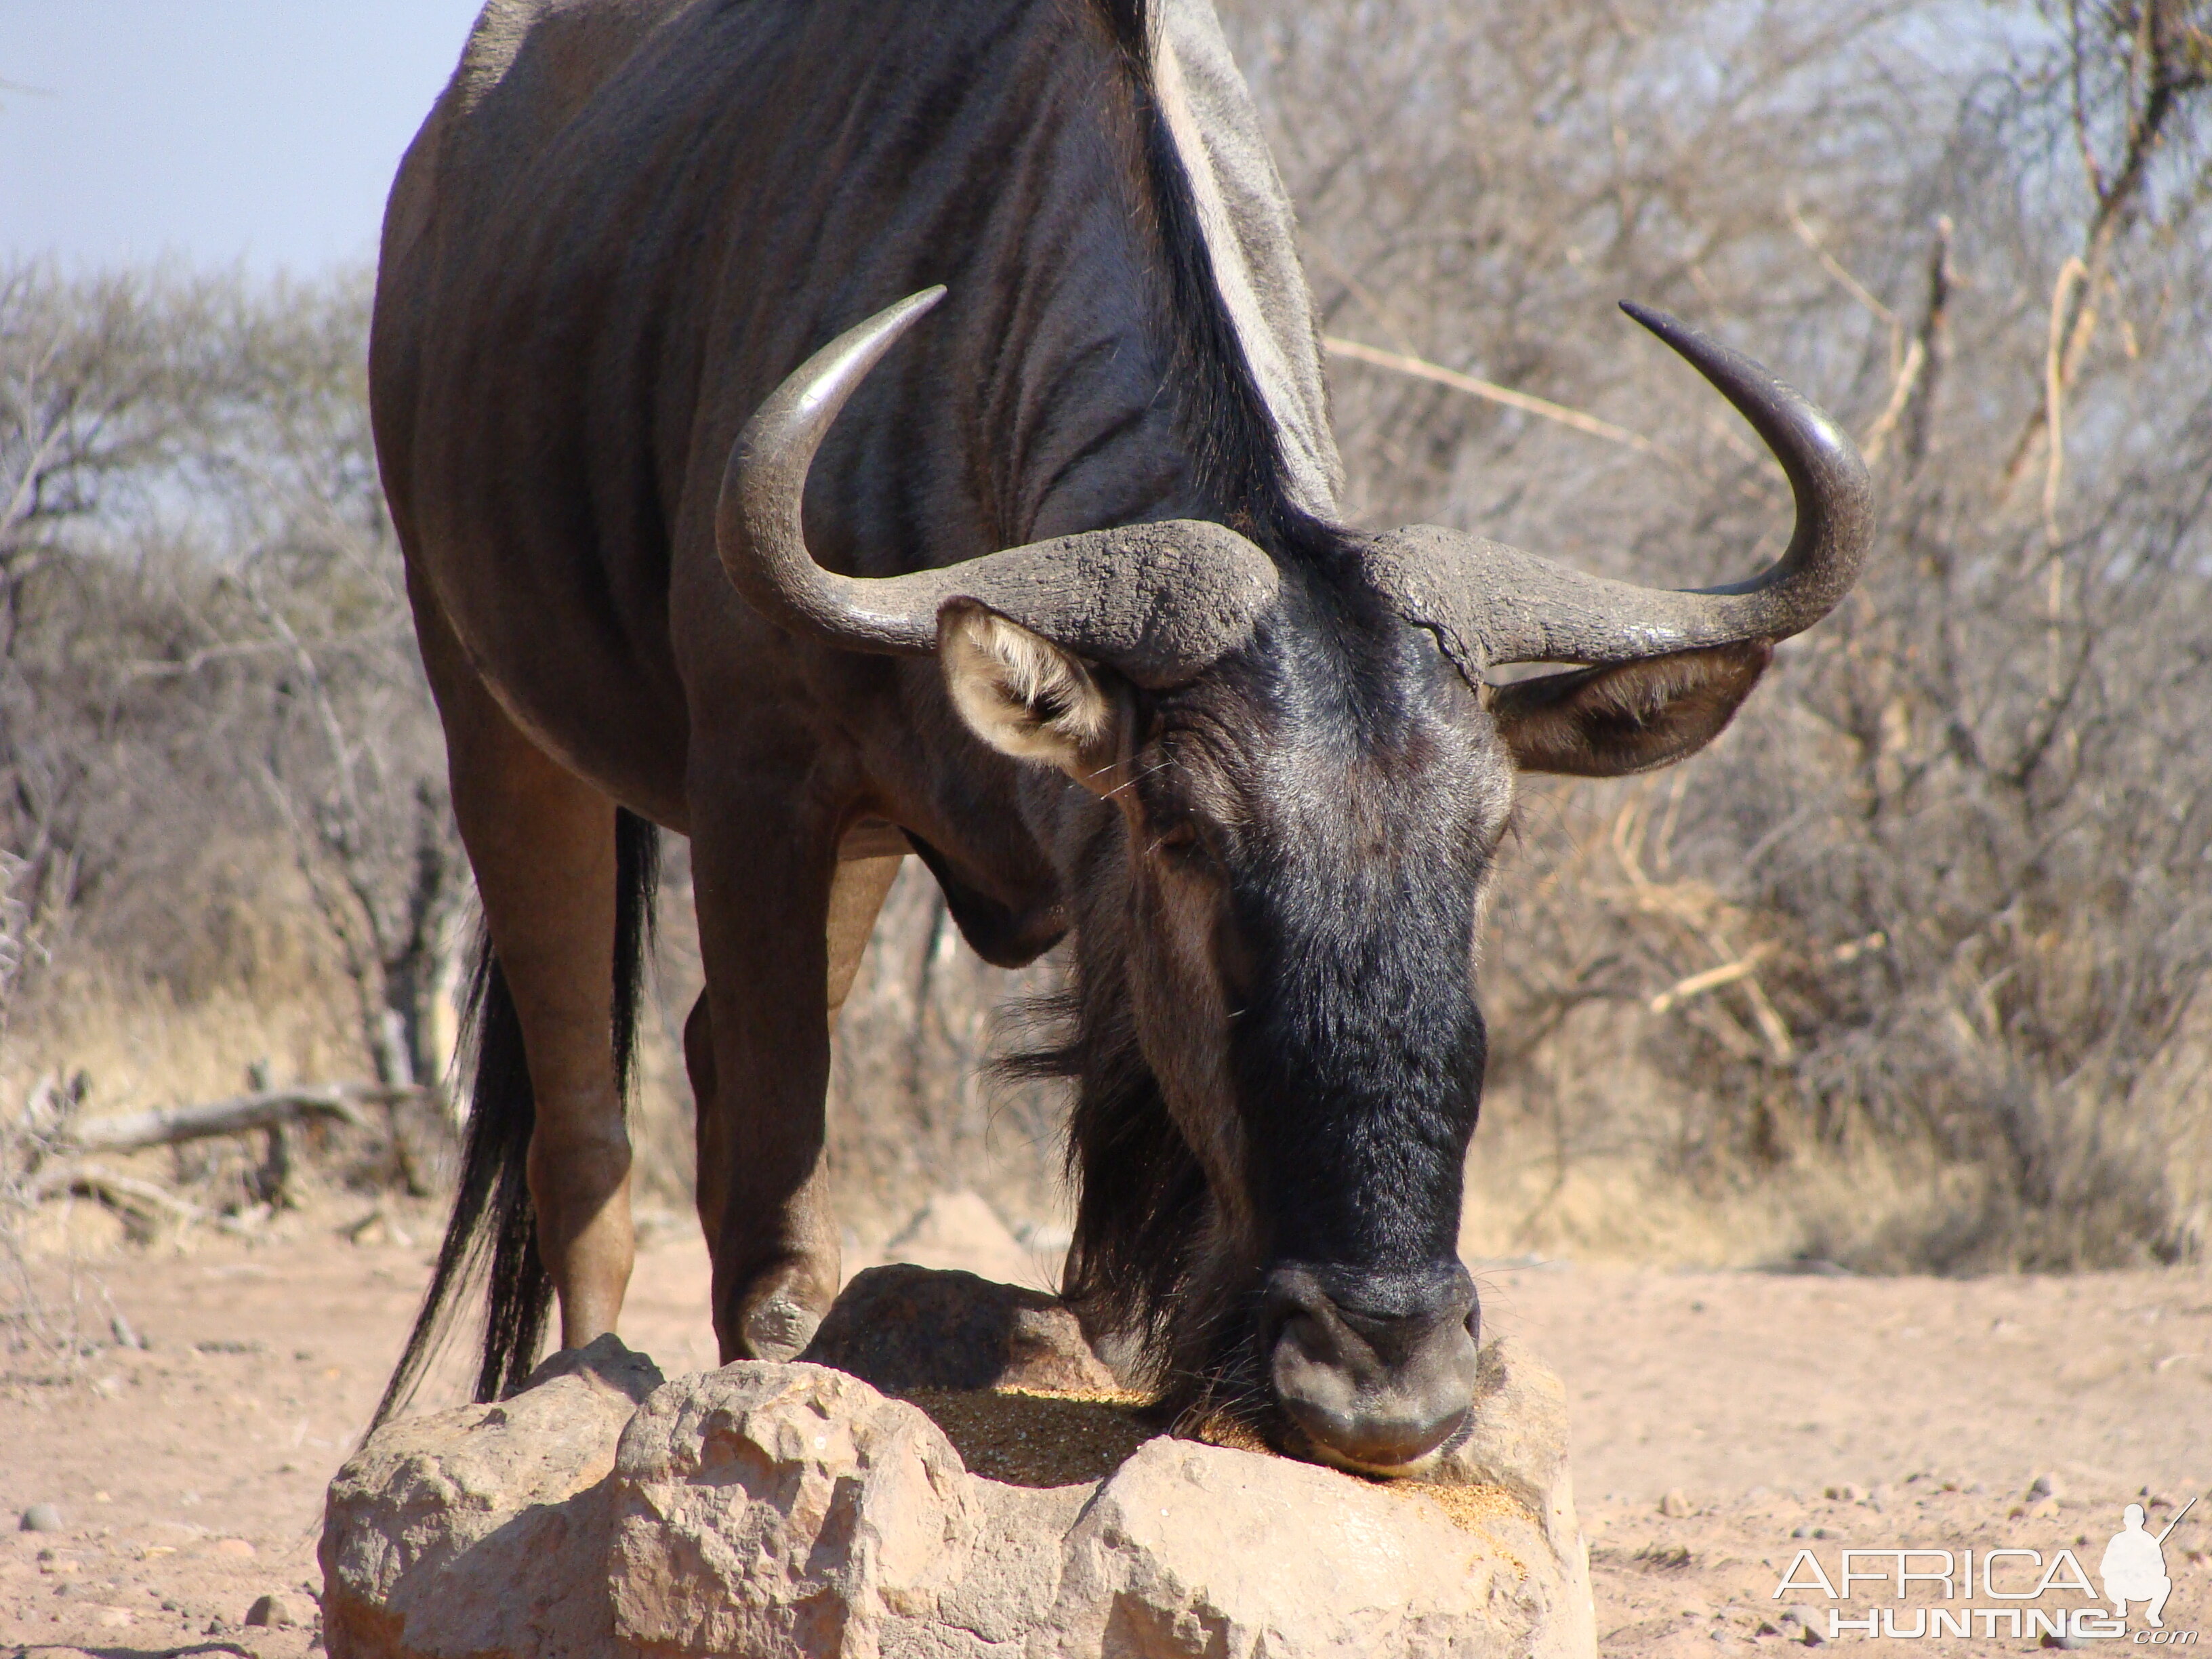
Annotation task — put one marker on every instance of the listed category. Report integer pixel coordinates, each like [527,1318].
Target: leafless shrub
[218,767]
[1915,958]
[1943,896]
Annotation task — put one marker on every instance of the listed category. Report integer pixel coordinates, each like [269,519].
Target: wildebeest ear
[1626,717]
[1024,695]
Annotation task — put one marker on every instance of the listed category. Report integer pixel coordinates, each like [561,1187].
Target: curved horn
[1494,604]
[1157,601]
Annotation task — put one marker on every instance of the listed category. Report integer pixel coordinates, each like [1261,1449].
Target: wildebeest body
[625,222]
[1247,757]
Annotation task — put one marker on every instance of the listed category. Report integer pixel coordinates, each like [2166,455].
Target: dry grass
[140,1047]
[1626,1207]
[1597,1173]
[1599,1170]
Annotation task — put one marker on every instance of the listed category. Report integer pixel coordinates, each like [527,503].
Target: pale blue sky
[265,130]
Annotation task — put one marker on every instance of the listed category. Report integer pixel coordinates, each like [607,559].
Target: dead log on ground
[169,1126]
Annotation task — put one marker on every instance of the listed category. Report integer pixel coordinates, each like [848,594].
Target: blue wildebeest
[1053,599]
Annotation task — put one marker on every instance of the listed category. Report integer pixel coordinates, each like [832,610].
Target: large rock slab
[787,1510]
[903,1328]
[1202,1550]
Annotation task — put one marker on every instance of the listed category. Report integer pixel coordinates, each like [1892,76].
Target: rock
[236,1549]
[276,1611]
[462,1532]
[1516,1440]
[903,1328]
[767,1508]
[1804,1624]
[780,1511]
[962,1232]
[40,1517]
[1190,1549]
[1675,1505]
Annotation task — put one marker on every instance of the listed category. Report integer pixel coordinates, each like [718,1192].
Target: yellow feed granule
[1032,1438]
[1470,1507]
[1037,1439]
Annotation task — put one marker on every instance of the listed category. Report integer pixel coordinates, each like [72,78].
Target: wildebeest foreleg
[781,948]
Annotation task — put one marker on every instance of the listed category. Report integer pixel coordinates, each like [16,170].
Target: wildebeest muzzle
[1376,1374]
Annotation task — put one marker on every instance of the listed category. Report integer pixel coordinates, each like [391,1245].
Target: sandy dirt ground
[1723,1423]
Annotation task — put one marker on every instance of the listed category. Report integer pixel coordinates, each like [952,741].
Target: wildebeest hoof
[779,1327]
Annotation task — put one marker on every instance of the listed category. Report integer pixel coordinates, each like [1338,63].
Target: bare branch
[171,1125]
[1421,369]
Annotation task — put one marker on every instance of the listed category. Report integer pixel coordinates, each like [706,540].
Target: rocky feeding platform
[949,1472]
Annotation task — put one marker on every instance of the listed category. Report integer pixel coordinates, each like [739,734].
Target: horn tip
[894,319]
[1668,326]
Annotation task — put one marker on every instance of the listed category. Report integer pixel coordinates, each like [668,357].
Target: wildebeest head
[1303,776]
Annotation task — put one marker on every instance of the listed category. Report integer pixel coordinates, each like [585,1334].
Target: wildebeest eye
[1183,841]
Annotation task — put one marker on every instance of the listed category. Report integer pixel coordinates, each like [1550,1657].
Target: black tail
[493,1233]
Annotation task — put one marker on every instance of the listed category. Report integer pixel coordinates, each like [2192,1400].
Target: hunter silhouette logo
[1980,1592]
[2134,1567]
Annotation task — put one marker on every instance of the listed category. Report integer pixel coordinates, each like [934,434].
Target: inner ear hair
[1622,718]
[1022,694]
